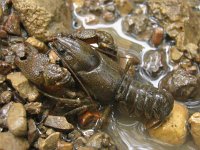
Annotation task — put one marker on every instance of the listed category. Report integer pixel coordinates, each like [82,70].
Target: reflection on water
[132,135]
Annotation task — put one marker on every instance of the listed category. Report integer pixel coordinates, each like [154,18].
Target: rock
[174,129]
[74,135]
[22,85]
[2,78]
[91,19]
[4,115]
[124,6]
[58,122]
[195,127]
[33,107]
[79,142]
[62,145]
[5,97]
[44,18]
[10,142]
[175,54]
[157,36]
[37,44]
[180,84]
[101,140]
[139,25]
[108,16]
[5,68]
[49,131]
[12,25]
[17,122]
[50,143]
[33,132]
[154,64]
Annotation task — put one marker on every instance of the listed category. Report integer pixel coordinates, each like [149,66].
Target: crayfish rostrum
[105,81]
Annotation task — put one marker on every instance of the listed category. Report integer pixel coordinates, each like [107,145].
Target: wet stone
[175,54]
[12,25]
[22,85]
[33,132]
[157,36]
[124,6]
[101,140]
[108,16]
[79,142]
[5,97]
[181,84]
[138,25]
[17,122]
[10,142]
[91,19]
[50,143]
[4,115]
[5,68]
[33,107]
[2,78]
[62,145]
[154,64]
[58,122]
[74,135]
[174,129]
[195,127]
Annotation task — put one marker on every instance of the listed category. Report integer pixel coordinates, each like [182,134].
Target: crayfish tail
[143,101]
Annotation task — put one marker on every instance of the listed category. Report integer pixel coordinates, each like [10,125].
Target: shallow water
[132,134]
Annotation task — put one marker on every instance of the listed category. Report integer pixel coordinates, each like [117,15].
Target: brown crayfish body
[107,83]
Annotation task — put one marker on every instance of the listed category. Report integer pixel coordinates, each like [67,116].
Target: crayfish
[100,76]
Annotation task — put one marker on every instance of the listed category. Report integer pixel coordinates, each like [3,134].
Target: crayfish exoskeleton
[109,84]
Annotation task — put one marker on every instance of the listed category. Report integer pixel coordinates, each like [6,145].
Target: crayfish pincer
[109,84]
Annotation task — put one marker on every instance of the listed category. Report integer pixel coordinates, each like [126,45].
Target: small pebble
[33,107]
[5,97]
[91,19]
[195,127]
[33,132]
[62,145]
[22,85]
[58,122]
[108,16]
[50,143]
[157,36]
[175,54]
[17,122]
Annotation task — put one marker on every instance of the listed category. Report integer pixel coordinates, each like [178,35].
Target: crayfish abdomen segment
[143,100]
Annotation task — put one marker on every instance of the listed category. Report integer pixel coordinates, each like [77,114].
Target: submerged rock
[17,122]
[101,140]
[174,129]
[10,142]
[44,18]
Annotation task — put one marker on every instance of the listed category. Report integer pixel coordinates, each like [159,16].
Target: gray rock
[17,122]
[10,142]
